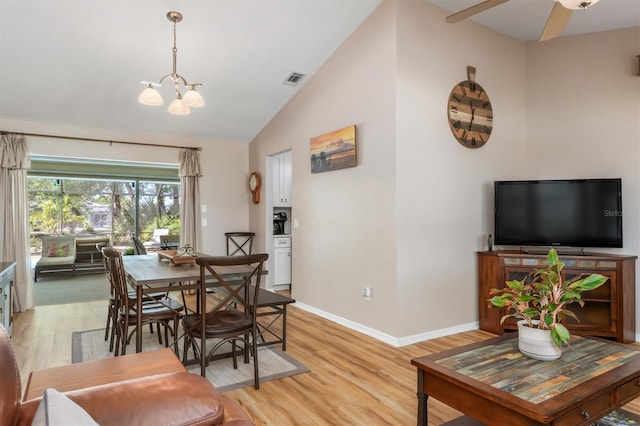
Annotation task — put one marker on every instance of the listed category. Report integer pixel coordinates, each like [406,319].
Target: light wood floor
[354,379]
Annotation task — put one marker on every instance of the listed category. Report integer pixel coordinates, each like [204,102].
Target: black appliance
[572,212]
[278,223]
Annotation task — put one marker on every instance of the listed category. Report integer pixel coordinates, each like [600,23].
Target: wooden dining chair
[162,312]
[232,319]
[239,243]
[112,310]
[138,247]
[112,314]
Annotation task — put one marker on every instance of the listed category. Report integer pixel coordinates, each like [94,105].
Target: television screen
[572,213]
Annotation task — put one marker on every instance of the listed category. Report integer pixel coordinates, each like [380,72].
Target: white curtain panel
[14,216]
[190,226]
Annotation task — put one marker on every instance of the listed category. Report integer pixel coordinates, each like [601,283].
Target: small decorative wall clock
[254,187]
[470,113]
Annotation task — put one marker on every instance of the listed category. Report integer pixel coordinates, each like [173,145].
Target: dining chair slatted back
[239,243]
[115,271]
[232,319]
[109,330]
[117,282]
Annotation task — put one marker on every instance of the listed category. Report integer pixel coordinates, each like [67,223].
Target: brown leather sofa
[177,398]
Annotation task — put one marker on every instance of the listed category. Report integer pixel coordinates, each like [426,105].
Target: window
[71,201]
[159,208]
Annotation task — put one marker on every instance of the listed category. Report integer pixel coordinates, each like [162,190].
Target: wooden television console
[609,311]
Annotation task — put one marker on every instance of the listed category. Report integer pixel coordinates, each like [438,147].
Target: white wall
[583,114]
[225,191]
[583,117]
[224,164]
[444,190]
[407,220]
[346,235]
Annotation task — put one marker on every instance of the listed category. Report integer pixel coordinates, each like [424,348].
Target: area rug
[619,417]
[273,362]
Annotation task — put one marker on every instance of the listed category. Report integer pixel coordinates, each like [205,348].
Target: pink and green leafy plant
[544,297]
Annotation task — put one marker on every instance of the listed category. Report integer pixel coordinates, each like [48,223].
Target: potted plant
[541,303]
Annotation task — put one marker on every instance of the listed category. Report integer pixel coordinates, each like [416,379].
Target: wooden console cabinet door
[608,311]
[490,275]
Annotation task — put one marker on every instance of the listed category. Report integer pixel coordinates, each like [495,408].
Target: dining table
[151,273]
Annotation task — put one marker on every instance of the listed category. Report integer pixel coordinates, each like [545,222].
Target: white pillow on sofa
[56,409]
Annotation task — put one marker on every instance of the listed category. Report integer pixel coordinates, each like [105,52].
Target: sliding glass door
[117,208]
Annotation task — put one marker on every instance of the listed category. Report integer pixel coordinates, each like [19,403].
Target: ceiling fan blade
[473,10]
[557,22]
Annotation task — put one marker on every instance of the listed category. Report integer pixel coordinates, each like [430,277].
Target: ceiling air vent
[293,79]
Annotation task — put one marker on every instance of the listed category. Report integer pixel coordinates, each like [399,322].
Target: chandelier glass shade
[178,107]
[192,98]
[150,96]
[182,104]
[577,4]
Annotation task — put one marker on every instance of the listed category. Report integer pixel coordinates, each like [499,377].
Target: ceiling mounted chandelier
[181,105]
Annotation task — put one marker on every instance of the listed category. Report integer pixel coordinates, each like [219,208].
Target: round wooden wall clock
[254,187]
[470,113]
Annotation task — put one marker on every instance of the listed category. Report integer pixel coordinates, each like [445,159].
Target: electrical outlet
[367,294]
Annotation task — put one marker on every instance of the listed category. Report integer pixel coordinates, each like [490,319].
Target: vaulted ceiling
[79,64]
[525,19]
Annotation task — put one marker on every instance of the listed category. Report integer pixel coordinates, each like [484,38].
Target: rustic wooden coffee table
[492,382]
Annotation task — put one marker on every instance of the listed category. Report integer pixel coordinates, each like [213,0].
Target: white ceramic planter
[536,343]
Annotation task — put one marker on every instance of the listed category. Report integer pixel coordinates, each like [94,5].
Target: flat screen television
[571,213]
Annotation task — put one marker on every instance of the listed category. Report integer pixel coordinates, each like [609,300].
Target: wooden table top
[496,371]
[503,367]
[149,270]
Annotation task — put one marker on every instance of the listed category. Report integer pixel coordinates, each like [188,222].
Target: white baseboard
[386,338]
[281,287]
[391,340]
[421,337]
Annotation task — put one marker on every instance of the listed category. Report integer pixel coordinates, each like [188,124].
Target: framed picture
[334,150]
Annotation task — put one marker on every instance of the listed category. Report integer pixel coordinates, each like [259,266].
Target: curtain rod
[110,141]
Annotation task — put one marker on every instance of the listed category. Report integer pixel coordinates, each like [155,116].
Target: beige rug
[273,362]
